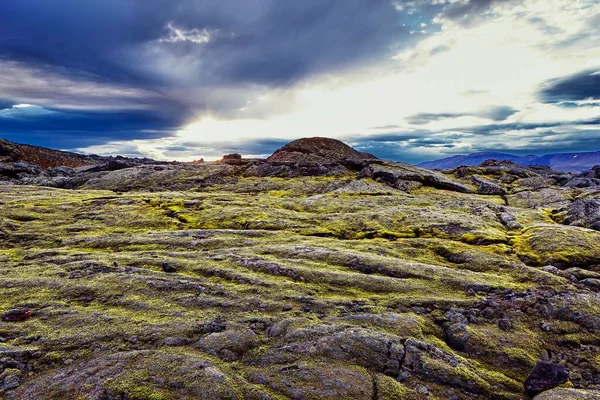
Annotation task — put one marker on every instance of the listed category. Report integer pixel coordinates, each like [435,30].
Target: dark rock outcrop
[317,149]
[16,315]
[584,213]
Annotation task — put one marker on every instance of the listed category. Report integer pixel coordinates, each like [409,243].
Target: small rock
[168,268]
[218,325]
[423,390]
[9,383]
[510,221]
[16,315]
[419,310]
[488,312]
[287,308]
[505,324]
[551,269]
[403,376]
[545,376]
[545,326]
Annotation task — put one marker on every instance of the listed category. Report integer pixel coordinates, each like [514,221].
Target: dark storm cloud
[581,86]
[255,41]
[195,56]
[57,128]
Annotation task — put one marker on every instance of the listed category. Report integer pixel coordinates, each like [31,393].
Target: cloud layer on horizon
[187,80]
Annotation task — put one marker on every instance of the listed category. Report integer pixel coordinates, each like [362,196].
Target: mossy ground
[259,251]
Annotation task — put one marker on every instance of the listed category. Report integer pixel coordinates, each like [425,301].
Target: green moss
[390,389]
[90,267]
[139,392]
[558,245]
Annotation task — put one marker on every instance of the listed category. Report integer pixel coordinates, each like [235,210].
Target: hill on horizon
[565,162]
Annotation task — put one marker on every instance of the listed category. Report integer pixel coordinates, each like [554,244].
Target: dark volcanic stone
[488,188]
[168,268]
[16,315]
[545,376]
[584,213]
[455,331]
[232,157]
[9,383]
[505,324]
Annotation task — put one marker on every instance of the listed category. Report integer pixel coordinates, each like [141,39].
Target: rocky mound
[317,149]
[45,158]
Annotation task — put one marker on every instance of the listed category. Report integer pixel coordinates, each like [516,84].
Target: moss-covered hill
[254,280]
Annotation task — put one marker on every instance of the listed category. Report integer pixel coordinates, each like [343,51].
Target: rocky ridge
[265,279]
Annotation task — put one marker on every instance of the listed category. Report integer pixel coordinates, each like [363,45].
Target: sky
[405,80]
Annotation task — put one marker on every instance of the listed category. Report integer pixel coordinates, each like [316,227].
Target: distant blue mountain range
[567,162]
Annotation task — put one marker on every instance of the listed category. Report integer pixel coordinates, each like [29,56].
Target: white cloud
[34,85]
[198,36]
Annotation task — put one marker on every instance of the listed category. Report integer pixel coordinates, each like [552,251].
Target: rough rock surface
[359,278]
[569,394]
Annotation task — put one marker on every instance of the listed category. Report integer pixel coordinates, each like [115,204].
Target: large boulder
[545,376]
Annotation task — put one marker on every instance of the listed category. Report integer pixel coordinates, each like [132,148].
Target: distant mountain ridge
[565,162]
